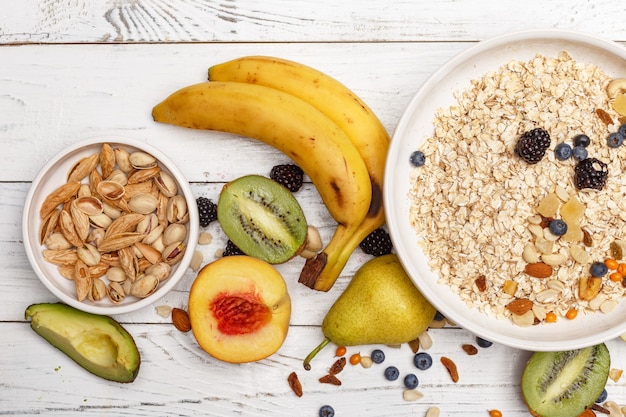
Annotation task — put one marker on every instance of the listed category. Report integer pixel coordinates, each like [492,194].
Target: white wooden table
[76,69]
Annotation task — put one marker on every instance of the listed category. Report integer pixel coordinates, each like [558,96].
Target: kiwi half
[564,384]
[263,218]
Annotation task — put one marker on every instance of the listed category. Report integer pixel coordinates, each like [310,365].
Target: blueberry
[422,360]
[622,130]
[563,151]
[418,158]
[579,153]
[439,316]
[558,227]
[411,381]
[598,269]
[603,396]
[392,373]
[615,140]
[378,356]
[483,343]
[582,140]
[326,411]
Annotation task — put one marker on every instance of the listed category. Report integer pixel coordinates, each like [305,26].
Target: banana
[289,124]
[352,115]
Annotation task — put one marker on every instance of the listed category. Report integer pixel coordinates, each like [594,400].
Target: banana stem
[310,356]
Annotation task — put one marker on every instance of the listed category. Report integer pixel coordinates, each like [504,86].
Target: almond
[180,319]
[538,270]
[520,306]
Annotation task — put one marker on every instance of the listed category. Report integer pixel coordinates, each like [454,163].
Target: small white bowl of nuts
[109,225]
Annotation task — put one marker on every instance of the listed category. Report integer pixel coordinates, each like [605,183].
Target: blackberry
[532,145]
[377,243]
[231,249]
[590,173]
[207,211]
[289,175]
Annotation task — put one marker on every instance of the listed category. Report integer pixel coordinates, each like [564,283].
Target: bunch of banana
[353,116]
[285,104]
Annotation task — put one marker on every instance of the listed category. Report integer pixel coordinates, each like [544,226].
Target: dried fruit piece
[337,366]
[604,117]
[470,349]
[509,287]
[180,319]
[619,105]
[330,379]
[520,306]
[549,205]
[572,211]
[481,283]
[294,384]
[618,249]
[589,287]
[615,374]
[538,270]
[451,368]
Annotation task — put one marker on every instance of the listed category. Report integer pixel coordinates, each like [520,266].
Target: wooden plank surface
[77,69]
[51,21]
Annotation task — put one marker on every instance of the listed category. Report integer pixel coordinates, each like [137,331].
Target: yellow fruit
[239,309]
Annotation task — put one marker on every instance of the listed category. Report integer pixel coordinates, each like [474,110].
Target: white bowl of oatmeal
[461,222]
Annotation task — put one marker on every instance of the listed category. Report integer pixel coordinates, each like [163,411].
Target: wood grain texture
[116,21]
[75,69]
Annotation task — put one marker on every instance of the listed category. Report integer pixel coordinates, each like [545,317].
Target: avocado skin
[65,327]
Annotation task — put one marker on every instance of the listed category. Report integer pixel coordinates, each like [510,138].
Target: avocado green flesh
[97,343]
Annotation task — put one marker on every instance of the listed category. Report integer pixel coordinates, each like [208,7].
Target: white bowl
[53,175]
[415,125]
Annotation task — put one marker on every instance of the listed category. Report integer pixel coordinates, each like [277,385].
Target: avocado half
[97,343]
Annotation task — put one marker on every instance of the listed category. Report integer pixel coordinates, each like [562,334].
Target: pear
[381,305]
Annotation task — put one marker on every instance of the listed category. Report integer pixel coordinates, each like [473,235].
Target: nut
[180,319]
[538,270]
[520,306]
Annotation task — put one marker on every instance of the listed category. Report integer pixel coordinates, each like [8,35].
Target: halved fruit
[97,343]
[262,218]
[239,309]
[564,384]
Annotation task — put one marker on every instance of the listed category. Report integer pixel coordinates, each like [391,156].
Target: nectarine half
[239,309]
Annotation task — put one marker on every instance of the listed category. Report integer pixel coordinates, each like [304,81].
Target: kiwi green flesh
[262,218]
[564,384]
[97,343]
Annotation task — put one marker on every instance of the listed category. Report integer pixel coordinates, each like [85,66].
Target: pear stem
[310,356]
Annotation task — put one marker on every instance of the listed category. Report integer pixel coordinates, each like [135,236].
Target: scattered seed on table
[366,362]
